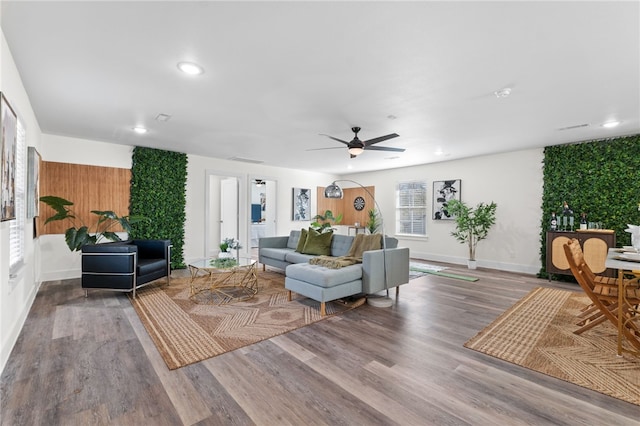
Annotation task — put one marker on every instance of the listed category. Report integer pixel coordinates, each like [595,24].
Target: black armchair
[125,265]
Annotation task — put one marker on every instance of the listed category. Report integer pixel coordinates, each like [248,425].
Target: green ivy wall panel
[600,178]
[158,192]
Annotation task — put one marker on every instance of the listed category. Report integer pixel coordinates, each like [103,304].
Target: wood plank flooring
[89,361]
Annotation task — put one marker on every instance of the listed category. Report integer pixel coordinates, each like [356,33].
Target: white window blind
[411,208]
[17,226]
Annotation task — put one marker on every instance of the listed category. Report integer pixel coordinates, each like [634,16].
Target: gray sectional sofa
[324,284]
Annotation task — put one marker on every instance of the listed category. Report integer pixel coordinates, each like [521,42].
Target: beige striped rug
[537,333]
[186,332]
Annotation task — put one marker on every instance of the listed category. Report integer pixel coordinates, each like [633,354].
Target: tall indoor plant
[472,224]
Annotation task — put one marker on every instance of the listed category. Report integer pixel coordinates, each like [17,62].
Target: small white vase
[471,264]
[225,255]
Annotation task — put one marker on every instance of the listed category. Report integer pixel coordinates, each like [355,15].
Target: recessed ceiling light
[610,124]
[190,68]
[502,93]
[438,152]
[140,130]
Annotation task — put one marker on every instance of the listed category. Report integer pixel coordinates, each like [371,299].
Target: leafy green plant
[374,221]
[229,244]
[472,225]
[322,223]
[80,234]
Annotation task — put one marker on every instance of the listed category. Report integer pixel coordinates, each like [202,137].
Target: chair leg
[323,309]
[590,325]
[86,293]
[397,291]
[290,296]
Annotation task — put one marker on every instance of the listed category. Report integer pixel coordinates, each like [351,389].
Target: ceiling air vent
[246,160]
[577,126]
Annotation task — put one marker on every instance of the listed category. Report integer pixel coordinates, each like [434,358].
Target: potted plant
[80,234]
[472,225]
[322,223]
[227,245]
[374,221]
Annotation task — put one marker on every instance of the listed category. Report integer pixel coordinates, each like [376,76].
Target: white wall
[513,180]
[199,167]
[16,294]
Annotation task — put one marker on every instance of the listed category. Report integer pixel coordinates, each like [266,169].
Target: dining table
[625,260]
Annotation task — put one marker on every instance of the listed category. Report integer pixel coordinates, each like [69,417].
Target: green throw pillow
[302,240]
[317,243]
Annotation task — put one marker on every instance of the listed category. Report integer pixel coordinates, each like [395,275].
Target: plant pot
[471,264]
[225,255]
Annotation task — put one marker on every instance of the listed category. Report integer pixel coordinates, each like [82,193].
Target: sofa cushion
[317,243]
[341,244]
[148,266]
[295,257]
[324,277]
[275,253]
[302,240]
[294,237]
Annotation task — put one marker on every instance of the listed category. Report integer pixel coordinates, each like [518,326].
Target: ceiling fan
[357,147]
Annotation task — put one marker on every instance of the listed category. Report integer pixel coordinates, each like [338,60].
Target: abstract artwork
[301,204]
[443,192]
[9,125]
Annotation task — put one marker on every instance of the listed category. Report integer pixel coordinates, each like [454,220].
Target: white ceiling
[278,74]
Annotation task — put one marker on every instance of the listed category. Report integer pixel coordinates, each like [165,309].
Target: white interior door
[229,208]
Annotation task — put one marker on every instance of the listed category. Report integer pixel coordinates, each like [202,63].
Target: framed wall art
[33,182]
[9,126]
[301,204]
[443,192]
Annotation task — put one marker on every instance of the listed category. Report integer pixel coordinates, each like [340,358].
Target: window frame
[422,208]
[17,226]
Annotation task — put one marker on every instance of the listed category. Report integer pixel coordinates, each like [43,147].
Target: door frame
[274,203]
[242,210]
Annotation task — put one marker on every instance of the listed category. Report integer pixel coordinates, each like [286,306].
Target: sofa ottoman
[323,284]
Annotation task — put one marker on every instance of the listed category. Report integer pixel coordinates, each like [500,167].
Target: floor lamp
[334,191]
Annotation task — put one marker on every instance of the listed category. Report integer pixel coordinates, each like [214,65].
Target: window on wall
[17,226]
[411,208]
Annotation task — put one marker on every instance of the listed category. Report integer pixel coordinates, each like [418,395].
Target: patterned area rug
[185,332]
[537,333]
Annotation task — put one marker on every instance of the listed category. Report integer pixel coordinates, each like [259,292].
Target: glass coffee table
[219,281]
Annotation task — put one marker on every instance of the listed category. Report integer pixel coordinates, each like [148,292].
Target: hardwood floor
[89,361]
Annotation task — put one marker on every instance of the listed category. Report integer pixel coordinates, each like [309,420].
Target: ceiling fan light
[333,191]
[356,150]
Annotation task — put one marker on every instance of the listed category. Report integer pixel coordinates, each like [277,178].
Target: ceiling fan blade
[320,149]
[380,139]
[383,148]
[335,139]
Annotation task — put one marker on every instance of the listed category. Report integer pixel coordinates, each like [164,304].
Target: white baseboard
[14,333]
[61,275]
[509,267]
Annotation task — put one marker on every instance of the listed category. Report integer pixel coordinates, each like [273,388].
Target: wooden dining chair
[604,296]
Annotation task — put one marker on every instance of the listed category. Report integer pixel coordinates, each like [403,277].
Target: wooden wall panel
[345,206]
[88,187]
